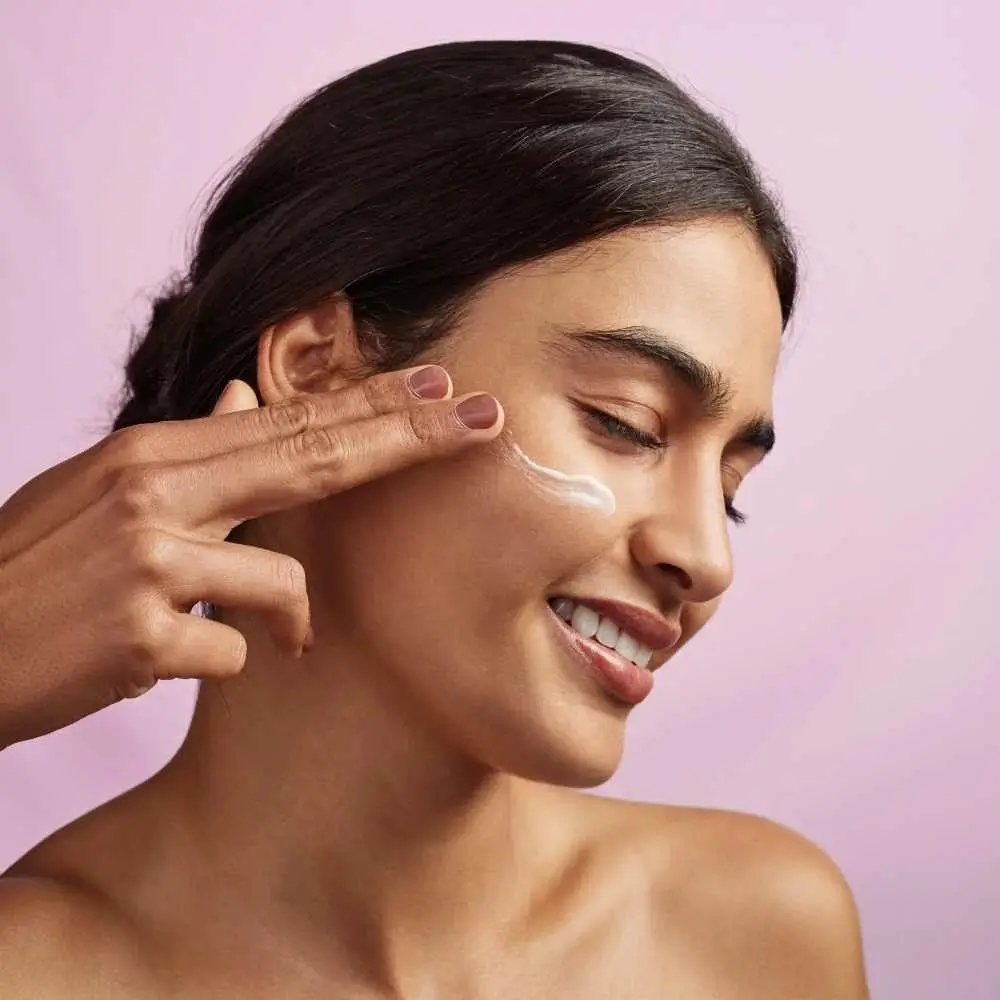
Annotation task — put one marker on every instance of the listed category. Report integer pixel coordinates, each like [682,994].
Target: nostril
[683,578]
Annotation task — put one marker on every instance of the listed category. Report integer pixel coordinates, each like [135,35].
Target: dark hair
[408,182]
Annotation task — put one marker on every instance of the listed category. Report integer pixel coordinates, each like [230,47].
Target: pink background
[850,686]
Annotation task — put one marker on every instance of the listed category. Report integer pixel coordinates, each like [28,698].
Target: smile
[614,641]
[590,624]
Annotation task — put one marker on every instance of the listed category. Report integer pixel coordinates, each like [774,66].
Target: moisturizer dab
[583,491]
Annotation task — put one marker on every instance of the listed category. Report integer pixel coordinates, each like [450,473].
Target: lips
[624,680]
[648,627]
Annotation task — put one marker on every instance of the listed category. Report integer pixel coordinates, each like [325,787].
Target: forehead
[707,286]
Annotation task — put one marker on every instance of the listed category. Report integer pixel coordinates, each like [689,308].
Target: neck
[327,798]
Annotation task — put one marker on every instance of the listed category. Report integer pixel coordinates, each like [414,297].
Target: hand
[103,556]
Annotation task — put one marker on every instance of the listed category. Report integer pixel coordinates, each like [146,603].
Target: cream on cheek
[575,490]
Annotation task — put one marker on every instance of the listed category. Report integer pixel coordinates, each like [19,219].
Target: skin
[401,812]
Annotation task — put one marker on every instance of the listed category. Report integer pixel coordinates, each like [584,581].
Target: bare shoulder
[56,939]
[64,932]
[768,908]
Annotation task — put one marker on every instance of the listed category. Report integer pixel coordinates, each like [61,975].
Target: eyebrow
[710,386]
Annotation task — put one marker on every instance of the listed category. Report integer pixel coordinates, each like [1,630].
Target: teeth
[607,633]
[563,608]
[627,645]
[591,625]
[585,621]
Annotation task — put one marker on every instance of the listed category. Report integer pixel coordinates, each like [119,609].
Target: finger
[236,396]
[269,584]
[238,424]
[202,649]
[232,488]
[58,494]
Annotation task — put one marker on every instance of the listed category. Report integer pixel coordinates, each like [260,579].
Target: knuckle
[379,393]
[320,445]
[148,639]
[296,416]
[422,426]
[151,553]
[140,489]
[130,446]
[133,686]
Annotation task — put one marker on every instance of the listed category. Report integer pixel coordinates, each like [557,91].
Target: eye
[734,515]
[616,428]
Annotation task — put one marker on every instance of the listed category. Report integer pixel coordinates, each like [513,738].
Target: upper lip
[649,627]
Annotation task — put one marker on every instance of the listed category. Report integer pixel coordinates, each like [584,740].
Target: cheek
[461,543]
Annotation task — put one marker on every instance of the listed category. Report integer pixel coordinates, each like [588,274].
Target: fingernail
[309,641]
[431,382]
[478,412]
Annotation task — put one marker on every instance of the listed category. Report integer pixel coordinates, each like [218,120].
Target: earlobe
[313,351]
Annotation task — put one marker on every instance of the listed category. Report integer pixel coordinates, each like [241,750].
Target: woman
[555,243]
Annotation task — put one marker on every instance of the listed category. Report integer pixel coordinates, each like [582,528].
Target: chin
[553,725]
[583,753]
[580,771]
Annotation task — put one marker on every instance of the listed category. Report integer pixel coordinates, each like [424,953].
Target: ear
[313,351]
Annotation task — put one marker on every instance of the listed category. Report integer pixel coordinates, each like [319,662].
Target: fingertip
[479,412]
[244,397]
[223,401]
[242,649]
[236,396]
[501,417]
[430,382]
[494,430]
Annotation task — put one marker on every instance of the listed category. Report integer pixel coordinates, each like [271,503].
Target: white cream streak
[584,491]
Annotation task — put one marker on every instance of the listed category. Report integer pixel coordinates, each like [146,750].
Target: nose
[684,545]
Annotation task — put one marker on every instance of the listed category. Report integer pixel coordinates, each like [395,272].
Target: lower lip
[619,677]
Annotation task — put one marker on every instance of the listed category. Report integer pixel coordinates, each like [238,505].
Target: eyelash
[642,439]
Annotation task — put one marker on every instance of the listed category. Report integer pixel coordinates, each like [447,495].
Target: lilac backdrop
[849,688]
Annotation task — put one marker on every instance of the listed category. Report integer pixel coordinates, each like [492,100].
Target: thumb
[236,396]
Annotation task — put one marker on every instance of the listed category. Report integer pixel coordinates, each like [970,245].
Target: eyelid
[617,427]
[627,411]
[734,515]
[735,473]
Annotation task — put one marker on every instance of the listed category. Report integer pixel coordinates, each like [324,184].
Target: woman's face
[439,579]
